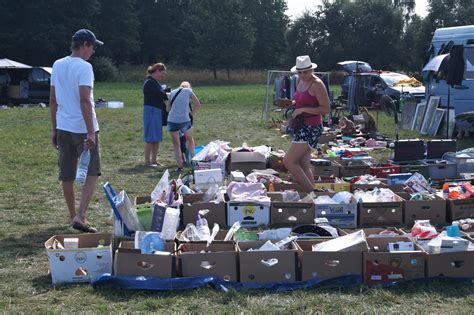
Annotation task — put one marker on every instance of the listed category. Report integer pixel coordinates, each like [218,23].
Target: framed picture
[436,122]
[433,103]
[418,117]
[408,113]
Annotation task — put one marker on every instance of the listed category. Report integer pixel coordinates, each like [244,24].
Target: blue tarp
[167,284]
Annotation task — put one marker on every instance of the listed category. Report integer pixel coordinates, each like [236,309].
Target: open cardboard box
[381,213]
[193,203]
[433,210]
[248,213]
[460,209]
[219,260]
[266,266]
[383,267]
[327,265]
[451,264]
[290,213]
[90,260]
[246,162]
[129,261]
[338,215]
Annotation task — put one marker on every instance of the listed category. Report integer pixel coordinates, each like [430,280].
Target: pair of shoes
[86,228]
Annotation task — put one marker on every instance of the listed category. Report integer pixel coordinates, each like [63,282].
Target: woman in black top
[153,110]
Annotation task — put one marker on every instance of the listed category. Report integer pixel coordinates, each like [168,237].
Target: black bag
[296,123]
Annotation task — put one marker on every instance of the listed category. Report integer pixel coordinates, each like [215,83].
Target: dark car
[25,85]
[377,83]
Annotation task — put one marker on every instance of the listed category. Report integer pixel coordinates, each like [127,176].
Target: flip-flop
[86,228]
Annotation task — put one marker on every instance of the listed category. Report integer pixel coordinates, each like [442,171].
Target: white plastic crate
[464,160]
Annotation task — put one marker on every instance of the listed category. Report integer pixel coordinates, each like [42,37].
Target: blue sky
[296,7]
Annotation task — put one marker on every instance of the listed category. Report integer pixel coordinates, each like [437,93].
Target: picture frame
[436,121]
[408,115]
[431,106]
[418,116]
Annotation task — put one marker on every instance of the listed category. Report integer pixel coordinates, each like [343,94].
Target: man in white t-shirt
[74,122]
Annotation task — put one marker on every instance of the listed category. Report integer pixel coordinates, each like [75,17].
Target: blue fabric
[165,284]
[181,127]
[152,124]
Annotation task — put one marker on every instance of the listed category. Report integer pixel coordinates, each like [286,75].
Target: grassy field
[32,209]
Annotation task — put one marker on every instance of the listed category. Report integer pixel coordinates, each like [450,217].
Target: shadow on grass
[27,244]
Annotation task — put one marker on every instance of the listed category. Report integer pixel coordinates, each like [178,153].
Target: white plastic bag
[162,189]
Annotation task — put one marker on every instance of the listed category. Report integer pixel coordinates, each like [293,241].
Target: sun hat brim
[313,66]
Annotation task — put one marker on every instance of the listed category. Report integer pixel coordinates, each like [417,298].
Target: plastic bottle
[82,167]
[170,223]
[203,228]
[152,242]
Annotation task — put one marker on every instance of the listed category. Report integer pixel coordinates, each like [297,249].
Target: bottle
[170,223]
[82,167]
[203,228]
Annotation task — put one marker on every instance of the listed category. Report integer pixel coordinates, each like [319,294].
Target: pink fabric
[304,99]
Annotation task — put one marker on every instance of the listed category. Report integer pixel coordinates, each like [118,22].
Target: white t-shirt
[68,74]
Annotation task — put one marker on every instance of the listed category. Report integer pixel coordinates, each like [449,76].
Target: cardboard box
[433,210]
[398,179]
[460,209]
[246,162]
[327,265]
[248,213]
[208,176]
[330,185]
[338,215]
[455,265]
[366,187]
[266,266]
[291,213]
[383,170]
[216,214]
[381,213]
[351,168]
[288,186]
[129,261]
[326,171]
[218,239]
[382,267]
[92,259]
[219,260]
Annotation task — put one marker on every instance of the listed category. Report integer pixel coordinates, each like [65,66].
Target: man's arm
[86,108]
[53,107]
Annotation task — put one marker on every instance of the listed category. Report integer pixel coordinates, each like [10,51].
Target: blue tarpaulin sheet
[167,284]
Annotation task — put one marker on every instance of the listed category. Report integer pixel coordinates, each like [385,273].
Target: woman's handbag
[297,122]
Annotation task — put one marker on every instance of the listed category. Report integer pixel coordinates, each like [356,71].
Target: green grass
[32,209]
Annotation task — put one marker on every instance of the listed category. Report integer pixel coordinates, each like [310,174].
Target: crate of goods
[383,170]
[381,213]
[249,214]
[433,210]
[408,150]
[464,161]
[342,215]
[351,168]
[440,169]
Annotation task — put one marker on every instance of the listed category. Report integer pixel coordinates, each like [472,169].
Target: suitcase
[435,149]
[409,150]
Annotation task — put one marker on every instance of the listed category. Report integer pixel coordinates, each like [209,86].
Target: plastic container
[440,169]
[152,242]
[465,161]
[170,223]
[82,167]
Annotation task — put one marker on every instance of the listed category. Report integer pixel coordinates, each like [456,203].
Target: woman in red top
[311,100]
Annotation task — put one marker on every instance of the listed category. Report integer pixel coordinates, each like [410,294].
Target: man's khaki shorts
[70,147]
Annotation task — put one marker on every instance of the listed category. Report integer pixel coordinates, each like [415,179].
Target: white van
[462,96]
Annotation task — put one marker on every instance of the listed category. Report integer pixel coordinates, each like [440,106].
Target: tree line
[229,34]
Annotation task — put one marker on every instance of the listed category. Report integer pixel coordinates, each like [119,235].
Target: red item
[469,188]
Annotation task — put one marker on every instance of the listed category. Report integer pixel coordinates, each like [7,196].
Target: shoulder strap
[174,97]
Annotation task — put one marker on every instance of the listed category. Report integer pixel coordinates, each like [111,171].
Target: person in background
[179,120]
[311,100]
[154,99]
[74,122]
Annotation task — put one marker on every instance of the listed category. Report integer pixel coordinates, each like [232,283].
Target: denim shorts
[182,127]
[309,135]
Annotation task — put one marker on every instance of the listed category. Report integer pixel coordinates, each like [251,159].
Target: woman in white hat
[310,100]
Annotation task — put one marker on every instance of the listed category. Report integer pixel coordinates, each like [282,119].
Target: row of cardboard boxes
[439,211]
[235,261]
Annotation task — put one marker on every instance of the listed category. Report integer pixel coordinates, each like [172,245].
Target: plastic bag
[290,196]
[210,193]
[127,212]
[162,189]
[343,197]
[324,200]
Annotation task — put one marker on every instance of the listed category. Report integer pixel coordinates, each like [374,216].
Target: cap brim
[313,66]
[98,42]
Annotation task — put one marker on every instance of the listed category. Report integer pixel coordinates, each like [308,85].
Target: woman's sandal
[86,228]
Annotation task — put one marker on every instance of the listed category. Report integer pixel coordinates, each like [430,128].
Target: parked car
[378,83]
[22,84]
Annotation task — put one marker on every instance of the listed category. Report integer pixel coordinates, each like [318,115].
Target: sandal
[86,228]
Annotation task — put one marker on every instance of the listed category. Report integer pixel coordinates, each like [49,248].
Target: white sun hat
[303,63]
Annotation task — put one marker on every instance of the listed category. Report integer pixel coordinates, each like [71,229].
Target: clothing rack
[270,76]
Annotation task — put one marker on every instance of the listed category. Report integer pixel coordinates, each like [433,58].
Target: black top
[153,94]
